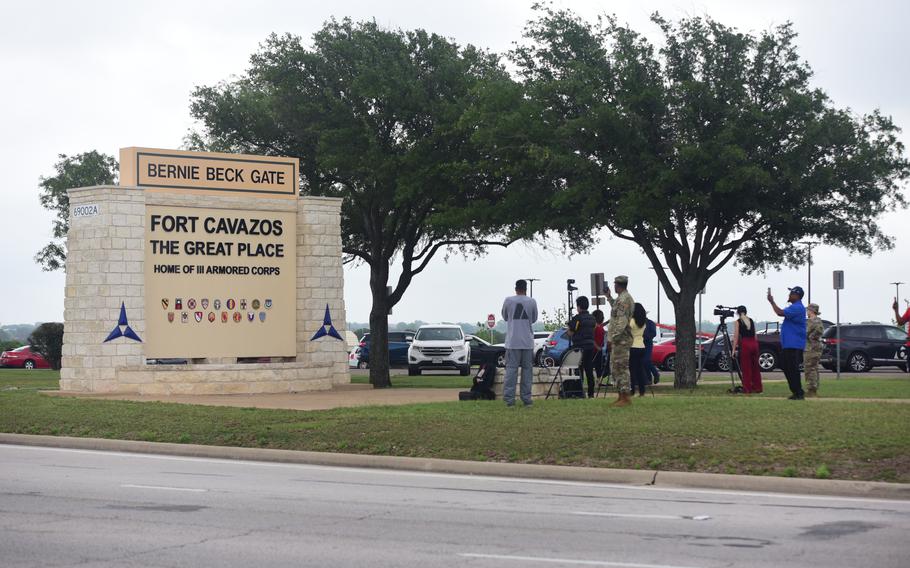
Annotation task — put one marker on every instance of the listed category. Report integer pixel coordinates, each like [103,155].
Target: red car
[23,357]
[663,354]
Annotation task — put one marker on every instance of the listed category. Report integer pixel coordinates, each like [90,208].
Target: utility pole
[658,290]
[698,330]
[809,245]
[532,281]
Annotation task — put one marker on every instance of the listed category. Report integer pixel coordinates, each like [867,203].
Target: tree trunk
[686,361]
[379,328]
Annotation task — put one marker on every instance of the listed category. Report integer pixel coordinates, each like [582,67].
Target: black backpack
[571,388]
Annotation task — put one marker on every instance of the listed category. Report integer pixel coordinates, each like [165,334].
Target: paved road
[99,509]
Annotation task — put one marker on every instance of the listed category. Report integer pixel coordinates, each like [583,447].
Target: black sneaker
[796,397]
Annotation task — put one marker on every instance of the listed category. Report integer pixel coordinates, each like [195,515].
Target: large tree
[376,118]
[47,339]
[714,147]
[81,170]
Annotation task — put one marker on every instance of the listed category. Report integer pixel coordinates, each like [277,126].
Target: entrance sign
[173,170]
[200,258]
[203,273]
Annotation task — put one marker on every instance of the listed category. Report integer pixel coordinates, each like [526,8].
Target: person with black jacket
[651,371]
[581,334]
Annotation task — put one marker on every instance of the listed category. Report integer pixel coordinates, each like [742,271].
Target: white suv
[439,347]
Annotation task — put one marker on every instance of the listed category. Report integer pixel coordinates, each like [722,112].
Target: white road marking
[636,516]
[567,561]
[462,476]
[190,489]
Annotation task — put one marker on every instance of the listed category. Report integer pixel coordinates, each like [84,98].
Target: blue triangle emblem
[328,328]
[122,329]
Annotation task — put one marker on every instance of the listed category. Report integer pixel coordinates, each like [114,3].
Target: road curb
[669,479]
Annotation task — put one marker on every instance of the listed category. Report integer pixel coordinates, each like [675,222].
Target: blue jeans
[515,358]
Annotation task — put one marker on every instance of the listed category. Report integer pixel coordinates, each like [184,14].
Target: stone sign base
[241,378]
[539,385]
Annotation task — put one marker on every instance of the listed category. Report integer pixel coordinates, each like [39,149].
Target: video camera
[724,311]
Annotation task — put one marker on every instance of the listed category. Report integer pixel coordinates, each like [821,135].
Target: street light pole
[809,245]
[897,291]
[532,281]
[658,290]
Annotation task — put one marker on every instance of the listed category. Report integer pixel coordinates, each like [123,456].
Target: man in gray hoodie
[520,313]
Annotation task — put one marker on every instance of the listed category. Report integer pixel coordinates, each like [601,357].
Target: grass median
[686,432]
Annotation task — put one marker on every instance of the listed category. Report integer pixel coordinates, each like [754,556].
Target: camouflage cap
[814,308]
[621,280]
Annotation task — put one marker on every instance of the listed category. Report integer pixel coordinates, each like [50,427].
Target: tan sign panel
[220,283]
[204,172]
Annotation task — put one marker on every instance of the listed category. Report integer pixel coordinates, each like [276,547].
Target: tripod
[722,332]
[570,288]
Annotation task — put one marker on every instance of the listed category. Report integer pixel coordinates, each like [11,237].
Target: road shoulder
[668,479]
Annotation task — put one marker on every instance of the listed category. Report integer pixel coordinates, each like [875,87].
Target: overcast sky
[86,75]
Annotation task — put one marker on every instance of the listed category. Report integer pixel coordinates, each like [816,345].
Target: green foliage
[557,318]
[10,344]
[483,332]
[376,118]
[822,472]
[714,147]
[47,339]
[81,170]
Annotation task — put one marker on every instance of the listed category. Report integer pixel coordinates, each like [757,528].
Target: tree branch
[367,257]
[435,248]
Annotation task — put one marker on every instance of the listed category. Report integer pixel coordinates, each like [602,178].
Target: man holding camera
[619,336]
[581,333]
[903,320]
[792,338]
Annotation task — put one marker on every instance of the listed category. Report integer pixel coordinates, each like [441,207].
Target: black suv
[865,346]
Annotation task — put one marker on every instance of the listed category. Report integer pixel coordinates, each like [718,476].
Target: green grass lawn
[422,381]
[847,387]
[36,379]
[686,432]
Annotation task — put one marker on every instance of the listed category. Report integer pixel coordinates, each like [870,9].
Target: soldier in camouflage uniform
[814,329]
[619,334]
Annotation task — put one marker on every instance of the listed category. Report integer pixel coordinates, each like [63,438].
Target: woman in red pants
[744,340]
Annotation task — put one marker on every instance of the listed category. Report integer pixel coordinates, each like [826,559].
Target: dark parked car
[769,345]
[714,355]
[399,341]
[482,350]
[865,346]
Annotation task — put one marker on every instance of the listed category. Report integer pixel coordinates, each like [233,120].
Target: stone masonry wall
[105,266]
[320,281]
